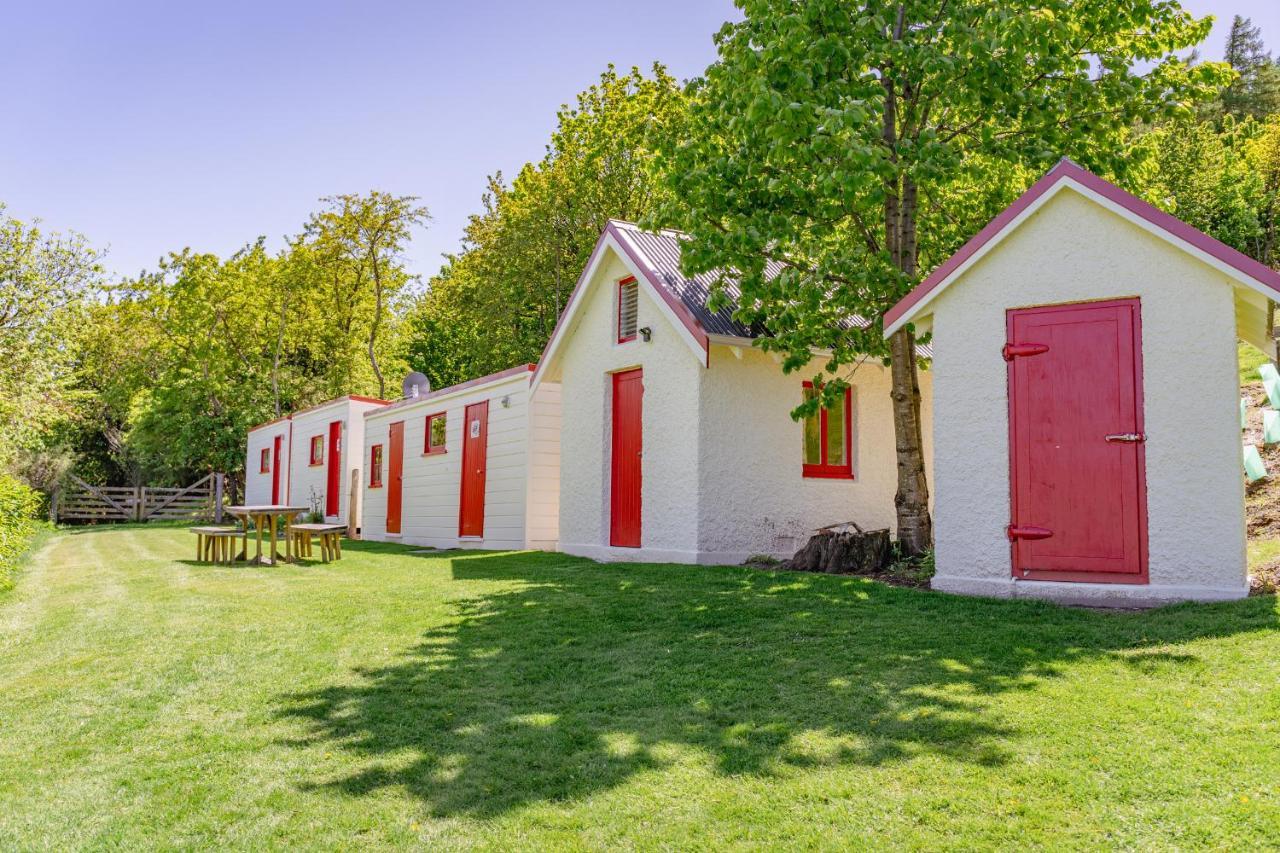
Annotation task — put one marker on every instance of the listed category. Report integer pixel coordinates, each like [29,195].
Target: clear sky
[150,126]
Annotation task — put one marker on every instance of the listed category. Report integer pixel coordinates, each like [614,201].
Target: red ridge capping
[1067,169]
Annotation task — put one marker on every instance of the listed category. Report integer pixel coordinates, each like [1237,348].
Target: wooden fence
[81,502]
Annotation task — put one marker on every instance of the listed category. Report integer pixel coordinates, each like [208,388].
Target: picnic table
[267,516]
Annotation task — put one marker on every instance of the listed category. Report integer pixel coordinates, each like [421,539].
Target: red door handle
[1027,531]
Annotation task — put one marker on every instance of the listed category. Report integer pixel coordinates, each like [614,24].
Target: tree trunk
[373,330]
[915,527]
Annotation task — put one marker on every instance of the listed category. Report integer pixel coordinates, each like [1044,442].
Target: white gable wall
[672,377]
[1073,250]
[755,498]
[257,486]
[432,483]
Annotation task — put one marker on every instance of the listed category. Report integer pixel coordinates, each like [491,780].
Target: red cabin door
[475,455]
[275,469]
[628,445]
[1077,463]
[395,476]
[333,491]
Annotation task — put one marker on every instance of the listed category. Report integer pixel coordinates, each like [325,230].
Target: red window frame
[429,449]
[622,285]
[375,467]
[824,469]
[317,450]
[264,463]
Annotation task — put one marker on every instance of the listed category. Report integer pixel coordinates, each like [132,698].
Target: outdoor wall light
[506,402]
[646,333]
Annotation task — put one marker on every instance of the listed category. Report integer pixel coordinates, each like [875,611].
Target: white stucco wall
[432,483]
[721,471]
[669,467]
[1075,250]
[305,477]
[753,498]
[257,486]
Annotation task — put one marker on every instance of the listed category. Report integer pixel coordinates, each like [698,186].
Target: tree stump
[855,552]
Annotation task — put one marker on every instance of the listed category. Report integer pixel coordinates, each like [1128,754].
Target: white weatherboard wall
[721,469]
[307,480]
[1074,250]
[520,478]
[257,486]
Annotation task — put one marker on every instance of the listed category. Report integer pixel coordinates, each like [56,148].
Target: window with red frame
[628,309]
[317,450]
[435,433]
[828,437]
[375,466]
[264,465]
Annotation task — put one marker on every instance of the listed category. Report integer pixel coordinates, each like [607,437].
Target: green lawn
[533,700]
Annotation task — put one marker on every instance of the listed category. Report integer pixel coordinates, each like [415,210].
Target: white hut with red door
[1085,403]
[327,440]
[475,465]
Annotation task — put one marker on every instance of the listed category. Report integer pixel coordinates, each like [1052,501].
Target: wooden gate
[81,502]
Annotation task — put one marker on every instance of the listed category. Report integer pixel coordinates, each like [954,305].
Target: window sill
[438,452]
[316,465]
[375,485]
[822,472]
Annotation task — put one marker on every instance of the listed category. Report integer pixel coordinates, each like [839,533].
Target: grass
[536,700]
[1250,358]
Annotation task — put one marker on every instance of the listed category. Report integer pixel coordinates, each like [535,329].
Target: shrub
[19,508]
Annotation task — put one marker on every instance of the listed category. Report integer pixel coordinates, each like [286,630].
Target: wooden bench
[217,544]
[330,540]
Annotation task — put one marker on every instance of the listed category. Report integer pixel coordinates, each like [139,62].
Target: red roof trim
[453,389]
[1066,169]
[266,424]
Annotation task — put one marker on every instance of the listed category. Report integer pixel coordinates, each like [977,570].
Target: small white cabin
[475,465]
[678,436]
[266,464]
[327,441]
[1086,400]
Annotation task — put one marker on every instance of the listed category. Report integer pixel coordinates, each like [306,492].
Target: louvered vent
[628,295]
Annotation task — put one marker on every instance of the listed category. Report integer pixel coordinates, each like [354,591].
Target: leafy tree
[496,303]
[835,137]
[361,240]
[45,282]
[1255,91]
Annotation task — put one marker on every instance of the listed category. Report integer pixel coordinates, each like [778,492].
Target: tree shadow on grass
[580,675]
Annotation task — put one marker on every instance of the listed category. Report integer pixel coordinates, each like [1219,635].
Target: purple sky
[153,126]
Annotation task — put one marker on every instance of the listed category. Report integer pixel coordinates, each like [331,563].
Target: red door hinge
[1015,531]
[1012,351]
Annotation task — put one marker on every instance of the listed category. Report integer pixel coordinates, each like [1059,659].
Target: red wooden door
[275,469]
[628,446]
[1077,464]
[333,491]
[395,476]
[475,454]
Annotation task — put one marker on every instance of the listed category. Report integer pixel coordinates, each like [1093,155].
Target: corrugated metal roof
[661,251]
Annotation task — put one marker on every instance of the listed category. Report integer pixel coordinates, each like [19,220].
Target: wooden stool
[330,540]
[216,544]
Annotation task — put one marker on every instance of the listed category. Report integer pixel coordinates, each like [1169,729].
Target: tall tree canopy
[46,281]
[1255,91]
[858,143]
[496,303]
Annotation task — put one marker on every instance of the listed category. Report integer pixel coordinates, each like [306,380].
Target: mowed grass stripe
[517,700]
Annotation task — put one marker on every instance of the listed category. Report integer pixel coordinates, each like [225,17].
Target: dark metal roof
[661,252]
